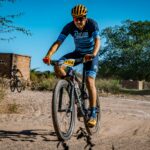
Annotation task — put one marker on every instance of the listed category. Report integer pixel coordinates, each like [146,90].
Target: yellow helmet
[79,11]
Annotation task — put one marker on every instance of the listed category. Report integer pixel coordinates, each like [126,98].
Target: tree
[7,23]
[126,53]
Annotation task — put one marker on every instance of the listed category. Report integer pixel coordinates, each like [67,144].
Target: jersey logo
[80,35]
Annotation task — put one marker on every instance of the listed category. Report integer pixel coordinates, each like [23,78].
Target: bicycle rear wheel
[96,128]
[12,85]
[19,86]
[63,111]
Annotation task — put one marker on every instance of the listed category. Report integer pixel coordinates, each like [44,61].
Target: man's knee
[90,81]
[59,71]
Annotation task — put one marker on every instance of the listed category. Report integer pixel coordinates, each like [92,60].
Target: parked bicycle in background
[15,82]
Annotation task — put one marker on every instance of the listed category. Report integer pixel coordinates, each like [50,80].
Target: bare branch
[12,1]
[3,21]
[6,30]
[7,24]
[7,39]
[16,15]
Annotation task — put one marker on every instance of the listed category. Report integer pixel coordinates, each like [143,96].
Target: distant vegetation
[125,55]
[47,80]
[108,86]
[126,52]
[42,80]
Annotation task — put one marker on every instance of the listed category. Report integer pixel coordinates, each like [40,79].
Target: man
[85,32]
[15,73]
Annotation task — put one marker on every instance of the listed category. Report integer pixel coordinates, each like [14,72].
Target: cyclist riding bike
[16,73]
[85,32]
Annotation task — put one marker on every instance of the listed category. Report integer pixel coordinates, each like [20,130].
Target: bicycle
[15,83]
[66,94]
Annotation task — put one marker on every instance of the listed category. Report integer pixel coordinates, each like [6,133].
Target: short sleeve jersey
[14,72]
[84,40]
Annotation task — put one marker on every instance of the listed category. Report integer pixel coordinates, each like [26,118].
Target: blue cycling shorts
[91,67]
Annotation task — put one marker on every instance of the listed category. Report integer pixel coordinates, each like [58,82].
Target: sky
[46,18]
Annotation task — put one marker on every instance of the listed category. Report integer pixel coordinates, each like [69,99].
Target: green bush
[33,76]
[47,84]
[46,81]
[109,86]
[42,80]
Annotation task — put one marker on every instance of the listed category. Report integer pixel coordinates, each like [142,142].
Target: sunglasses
[79,19]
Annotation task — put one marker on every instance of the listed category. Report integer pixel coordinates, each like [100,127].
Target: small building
[8,60]
[130,84]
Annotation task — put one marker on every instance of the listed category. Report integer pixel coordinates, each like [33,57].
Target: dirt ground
[125,124]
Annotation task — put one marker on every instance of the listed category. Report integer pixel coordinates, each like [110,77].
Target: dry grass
[4,107]
[2,92]
[10,108]
[108,86]
[44,84]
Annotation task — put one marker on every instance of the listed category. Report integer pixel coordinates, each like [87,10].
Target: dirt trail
[125,124]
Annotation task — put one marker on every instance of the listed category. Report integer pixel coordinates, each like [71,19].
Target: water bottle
[69,71]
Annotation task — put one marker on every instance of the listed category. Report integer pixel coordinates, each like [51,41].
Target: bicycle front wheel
[63,110]
[12,85]
[19,86]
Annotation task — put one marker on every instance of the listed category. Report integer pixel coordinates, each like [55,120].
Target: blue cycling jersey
[84,40]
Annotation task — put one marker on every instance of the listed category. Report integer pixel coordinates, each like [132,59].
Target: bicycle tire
[19,86]
[58,101]
[94,130]
[12,85]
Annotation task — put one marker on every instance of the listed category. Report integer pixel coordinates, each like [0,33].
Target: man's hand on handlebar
[88,57]
[47,60]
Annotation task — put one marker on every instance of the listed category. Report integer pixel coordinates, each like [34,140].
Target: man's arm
[51,51]
[53,48]
[89,57]
[96,46]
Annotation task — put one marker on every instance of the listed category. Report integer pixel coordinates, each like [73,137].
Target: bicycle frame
[73,83]
[75,91]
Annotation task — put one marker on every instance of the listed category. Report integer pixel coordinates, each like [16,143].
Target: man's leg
[91,71]
[92,90]
[92,100]
[60,71]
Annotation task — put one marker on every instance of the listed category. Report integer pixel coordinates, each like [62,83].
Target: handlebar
[67,62]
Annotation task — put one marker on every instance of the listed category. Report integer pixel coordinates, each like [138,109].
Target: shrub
[109,86]
[47,84]
[42,81]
